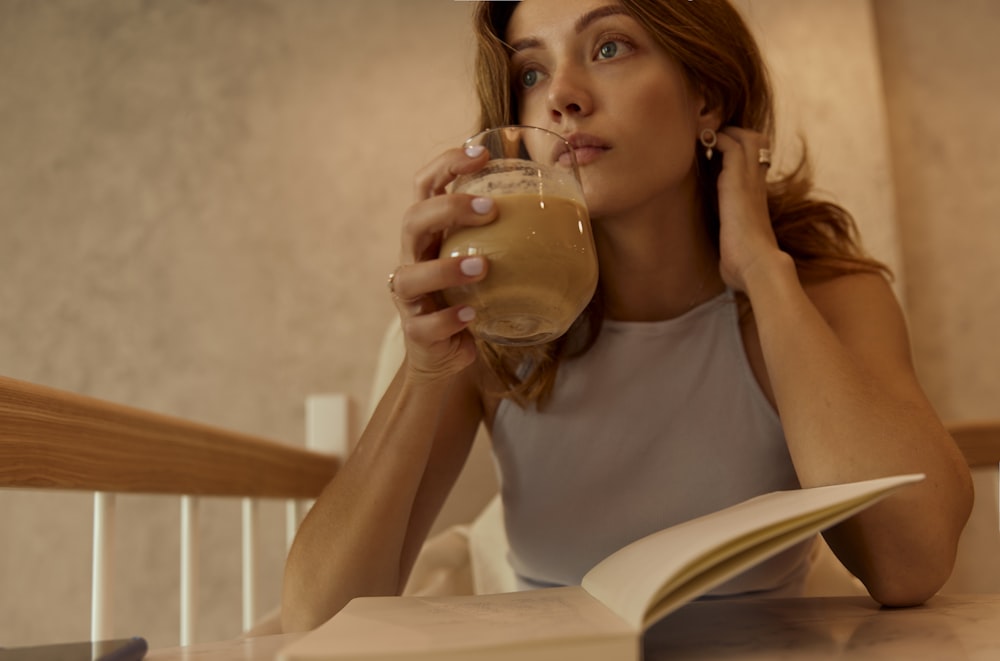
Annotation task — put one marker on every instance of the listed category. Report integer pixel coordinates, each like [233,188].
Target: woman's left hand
[746,235]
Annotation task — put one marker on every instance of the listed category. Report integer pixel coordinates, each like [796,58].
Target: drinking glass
[542,261]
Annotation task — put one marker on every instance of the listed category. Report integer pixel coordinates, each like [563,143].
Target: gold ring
[764,157]
[390,283]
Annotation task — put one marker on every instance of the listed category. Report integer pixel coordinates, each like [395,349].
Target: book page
[467,627]
[632,580]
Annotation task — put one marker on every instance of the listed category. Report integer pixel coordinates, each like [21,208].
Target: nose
[569,94]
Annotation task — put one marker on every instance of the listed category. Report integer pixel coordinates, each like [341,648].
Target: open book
[620,597]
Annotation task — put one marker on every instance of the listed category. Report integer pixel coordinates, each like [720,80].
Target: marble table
[952,627]
[947,627]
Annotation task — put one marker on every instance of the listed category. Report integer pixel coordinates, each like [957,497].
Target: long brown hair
[720,57]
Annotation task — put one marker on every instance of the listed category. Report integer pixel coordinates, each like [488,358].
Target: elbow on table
[303,608]
[916,571]
[904,596]
[299,609]
[293,622]
[295,618]
[912,585]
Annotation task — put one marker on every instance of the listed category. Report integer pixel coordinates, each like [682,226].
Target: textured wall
[199,202]
[943,92]
[823,58]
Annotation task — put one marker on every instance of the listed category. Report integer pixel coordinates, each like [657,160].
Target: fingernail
[466,314]
[472,266]
[482,205]
[473,151]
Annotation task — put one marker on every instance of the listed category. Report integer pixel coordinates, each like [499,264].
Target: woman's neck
[656,263]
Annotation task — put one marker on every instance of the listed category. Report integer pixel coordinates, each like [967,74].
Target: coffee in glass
[542,261]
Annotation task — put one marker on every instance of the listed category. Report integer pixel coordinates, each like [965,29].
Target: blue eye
[608,50]
[529,78]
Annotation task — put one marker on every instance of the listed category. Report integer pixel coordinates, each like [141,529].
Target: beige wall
[823,59]
[943,94]
[199,203]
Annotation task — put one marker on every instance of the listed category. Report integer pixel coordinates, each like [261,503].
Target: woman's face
[588,71]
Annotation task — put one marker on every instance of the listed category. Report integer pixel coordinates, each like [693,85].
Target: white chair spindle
[190,541]
[250,517]
[293,515]
[102,585]
[327,423]
[327,431]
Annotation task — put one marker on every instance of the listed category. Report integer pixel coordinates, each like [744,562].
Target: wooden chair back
[979,441]
[52,439]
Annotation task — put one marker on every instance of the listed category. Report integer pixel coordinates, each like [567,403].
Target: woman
[739,341]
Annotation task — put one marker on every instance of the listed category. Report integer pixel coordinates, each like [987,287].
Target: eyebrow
[581,24]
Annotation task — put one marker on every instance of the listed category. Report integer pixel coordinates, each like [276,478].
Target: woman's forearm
[353,539]
[852,409]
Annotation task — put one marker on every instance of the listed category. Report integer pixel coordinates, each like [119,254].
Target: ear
[709,110]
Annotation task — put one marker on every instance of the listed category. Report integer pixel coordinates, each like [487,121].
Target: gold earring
[708,140]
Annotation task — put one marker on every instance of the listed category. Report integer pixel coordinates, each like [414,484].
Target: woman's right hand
[437,342]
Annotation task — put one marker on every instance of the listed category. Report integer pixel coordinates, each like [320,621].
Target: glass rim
[494,129]
[562,146]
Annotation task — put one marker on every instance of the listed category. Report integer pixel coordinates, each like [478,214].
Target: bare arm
[837,355]
[364,532]
[838,364]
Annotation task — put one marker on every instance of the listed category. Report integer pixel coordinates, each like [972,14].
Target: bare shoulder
[850,290]
[862,309]
[853,298]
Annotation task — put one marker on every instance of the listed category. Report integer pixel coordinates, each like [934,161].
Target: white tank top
[658,423]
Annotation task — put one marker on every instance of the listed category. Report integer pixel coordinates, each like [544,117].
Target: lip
[586,148]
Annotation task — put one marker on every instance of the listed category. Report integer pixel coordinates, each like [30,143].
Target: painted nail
[482,205]
[472,266]
[466,314]
[472,151]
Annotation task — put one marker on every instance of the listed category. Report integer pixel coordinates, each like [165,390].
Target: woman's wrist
[771,273]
